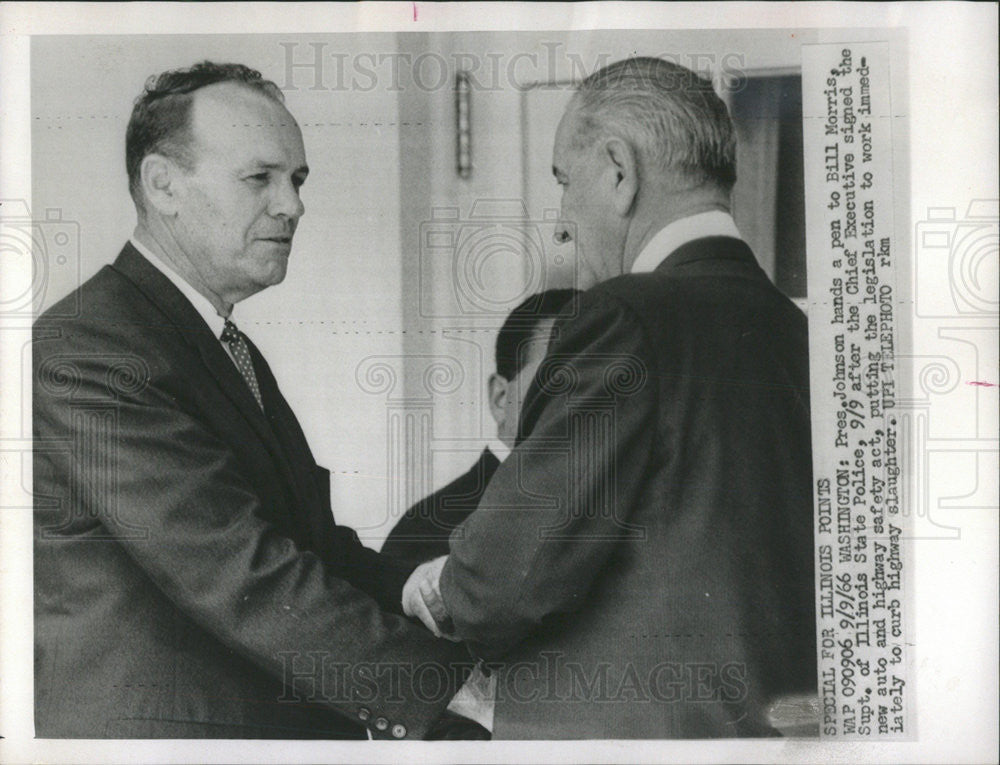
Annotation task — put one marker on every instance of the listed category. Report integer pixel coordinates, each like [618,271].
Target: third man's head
[520,348]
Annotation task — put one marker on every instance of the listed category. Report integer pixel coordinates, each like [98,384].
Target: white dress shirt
[499,448]
[680,232]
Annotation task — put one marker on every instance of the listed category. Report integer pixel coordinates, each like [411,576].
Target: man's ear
[159,176]
[625,165]
[497,390]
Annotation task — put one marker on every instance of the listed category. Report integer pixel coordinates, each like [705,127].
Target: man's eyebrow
[257,165]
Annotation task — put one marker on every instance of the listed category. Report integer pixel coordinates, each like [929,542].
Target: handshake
[476,698]
[422,598]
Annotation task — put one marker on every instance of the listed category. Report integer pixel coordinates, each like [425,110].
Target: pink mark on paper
[983,384]
[414,11]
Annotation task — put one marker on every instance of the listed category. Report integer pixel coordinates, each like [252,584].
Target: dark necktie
[241,355]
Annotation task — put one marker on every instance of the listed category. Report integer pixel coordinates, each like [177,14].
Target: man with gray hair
[660,583]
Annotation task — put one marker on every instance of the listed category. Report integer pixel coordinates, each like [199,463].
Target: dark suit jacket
[422,533]
[660,583]
[186,556]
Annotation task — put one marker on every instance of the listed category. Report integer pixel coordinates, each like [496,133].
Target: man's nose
[286,202]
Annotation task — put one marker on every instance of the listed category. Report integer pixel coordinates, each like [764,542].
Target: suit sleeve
[559,506]
[181,509]
[378,574]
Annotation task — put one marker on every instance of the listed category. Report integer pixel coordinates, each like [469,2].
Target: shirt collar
[499,448]
[201,304]
[679,232]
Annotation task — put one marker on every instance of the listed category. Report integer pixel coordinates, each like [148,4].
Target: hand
[422,598]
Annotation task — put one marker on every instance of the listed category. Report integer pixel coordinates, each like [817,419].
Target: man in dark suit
[190,580]
[422,533]
[659,584]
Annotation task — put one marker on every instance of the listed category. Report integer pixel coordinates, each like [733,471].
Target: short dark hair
[671,115]
[520,326]
[161,116]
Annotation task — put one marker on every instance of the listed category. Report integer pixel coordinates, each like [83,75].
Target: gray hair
[670,115]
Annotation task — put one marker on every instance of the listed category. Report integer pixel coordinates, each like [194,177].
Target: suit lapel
[179,311]
[310,483]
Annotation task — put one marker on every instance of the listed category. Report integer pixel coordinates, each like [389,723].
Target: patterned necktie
[241,355]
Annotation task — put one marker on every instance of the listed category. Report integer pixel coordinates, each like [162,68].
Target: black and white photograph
[399,382]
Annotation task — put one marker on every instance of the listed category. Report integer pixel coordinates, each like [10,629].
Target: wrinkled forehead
[232,119]
[566,132]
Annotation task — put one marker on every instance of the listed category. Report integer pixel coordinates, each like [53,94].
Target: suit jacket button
[399,731]
[381,724]
[364,713]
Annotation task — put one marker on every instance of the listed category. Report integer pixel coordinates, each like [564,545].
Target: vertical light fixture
[463,125]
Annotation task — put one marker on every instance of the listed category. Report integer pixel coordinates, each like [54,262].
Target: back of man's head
[672,117]
[161,116]
[519,330]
